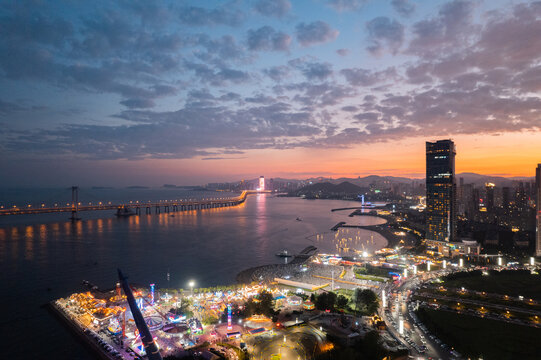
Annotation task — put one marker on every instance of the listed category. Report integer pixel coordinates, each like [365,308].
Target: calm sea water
[44,257]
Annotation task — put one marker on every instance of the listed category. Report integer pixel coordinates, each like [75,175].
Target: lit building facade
[538,210]
[489,196]
[440,191]
[261,183]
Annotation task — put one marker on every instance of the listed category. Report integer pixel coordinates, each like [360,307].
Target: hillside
[329,188]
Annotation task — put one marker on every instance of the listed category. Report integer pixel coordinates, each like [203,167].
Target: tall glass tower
[440,191]
[538,210]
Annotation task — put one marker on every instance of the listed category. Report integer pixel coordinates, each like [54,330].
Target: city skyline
[187,93]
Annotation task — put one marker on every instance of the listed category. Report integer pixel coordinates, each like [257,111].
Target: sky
[188,92]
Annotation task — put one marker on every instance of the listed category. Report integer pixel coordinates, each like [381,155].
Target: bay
[46,257]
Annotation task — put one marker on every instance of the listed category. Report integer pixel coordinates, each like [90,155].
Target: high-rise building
[520,199]
[538,210]
[506,199]
[440,191]
[261,183]
[489,196]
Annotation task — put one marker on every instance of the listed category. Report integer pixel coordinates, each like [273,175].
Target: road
[398,300]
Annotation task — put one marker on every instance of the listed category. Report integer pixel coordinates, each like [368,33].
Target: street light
[191,284]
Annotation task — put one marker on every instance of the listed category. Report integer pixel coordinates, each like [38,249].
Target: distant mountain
[479,180]
[329,188]
[387,181]
[365,181]
[469,178]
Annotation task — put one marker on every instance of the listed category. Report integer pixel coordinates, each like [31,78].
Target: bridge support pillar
[74,203]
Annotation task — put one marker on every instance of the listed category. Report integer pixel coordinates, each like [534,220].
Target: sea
[45,257]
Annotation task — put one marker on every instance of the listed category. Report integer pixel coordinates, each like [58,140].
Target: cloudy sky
[137,92]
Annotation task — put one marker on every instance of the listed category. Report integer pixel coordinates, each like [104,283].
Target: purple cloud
[315,32]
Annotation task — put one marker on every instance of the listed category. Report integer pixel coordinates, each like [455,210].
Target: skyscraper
[538,210]
[506,199]
[440,191]
[489,196]
[261,183]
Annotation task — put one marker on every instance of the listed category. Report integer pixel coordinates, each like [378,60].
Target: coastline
[258,273]
[386,229]
[76,331]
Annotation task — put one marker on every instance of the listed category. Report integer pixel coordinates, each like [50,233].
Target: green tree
[341,301]
[266,303]
[366,301]
[326,301]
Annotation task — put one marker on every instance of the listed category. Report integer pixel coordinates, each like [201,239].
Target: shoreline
[251,274]
[246,276]
[76,331]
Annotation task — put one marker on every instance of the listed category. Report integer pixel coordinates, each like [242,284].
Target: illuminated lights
[461,263]
[229,326]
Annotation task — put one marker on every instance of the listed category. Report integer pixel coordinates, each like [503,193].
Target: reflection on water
[351,241]
[45,259]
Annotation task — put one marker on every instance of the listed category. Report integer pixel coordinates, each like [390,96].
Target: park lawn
[510,283]
[483,338]
[371,277]
[346,292]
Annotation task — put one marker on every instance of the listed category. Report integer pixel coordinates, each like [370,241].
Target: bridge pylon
[74,203]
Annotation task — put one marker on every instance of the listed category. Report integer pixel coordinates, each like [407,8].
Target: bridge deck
[169,204]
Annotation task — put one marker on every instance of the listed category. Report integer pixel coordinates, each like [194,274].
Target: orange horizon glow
[507,155]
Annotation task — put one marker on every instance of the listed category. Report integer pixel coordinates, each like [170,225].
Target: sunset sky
[189,92]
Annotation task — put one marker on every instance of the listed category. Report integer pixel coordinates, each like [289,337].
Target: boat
[284,253]
[298,219]
[124,212]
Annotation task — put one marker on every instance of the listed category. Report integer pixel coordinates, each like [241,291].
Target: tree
[326,301]
[366,301]
[266,303]
[341,301]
